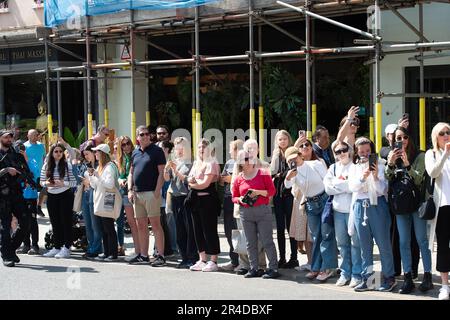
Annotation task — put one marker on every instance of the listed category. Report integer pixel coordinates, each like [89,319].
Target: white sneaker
[129,258]
[227,267]
[198,266]
[210,267]
[52,253]
[303,267]
[444,293]
[342,281]
[63,253]
[354,282]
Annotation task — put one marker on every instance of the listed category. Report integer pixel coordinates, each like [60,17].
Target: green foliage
[74,140]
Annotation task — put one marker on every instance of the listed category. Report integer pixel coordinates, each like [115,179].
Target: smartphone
[301,133]
[292,165]
[373,157]
[398,145]
[405,116]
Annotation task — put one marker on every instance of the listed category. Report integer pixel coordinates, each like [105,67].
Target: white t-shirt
[336,183]
[445,200]
[309,178]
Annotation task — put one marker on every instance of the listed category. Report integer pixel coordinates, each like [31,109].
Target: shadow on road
[54,268]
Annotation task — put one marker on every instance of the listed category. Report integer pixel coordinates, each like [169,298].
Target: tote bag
[78,198]
[108,202]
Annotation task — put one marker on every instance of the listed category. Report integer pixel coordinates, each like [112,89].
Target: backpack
[403,195]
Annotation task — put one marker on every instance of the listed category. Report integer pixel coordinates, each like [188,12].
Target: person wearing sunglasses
[145,182]
[162,134]
[405,161]
[125,148]
[336,185]
[57,176]
[437,164]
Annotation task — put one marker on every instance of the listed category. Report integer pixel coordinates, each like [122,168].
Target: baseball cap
[291,153]
[390,128]
[8,132]
[102,147]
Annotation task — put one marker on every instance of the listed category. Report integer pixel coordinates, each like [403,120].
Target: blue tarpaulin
[58,12]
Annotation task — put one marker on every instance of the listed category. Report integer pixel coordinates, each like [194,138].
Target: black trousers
[59,208]
[283,212]
[443,239]
[185,230]
[204,218]
[395,241]
[167,243]
[110,244]
[229,223]
[31,208]
[10,242]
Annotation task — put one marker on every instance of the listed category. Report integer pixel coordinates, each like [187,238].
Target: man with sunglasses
[12,165]
[145,182]
[162,134]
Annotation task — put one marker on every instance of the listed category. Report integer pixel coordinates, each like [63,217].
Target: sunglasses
[144,134]
[305,145]
[128,143]
[443,133]
[159,133]
[57,151]
[338,152]
[402,138]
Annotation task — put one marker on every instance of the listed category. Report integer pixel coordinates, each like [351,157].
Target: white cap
[102,147]
[390,128]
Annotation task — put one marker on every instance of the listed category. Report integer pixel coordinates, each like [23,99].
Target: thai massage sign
[24,55]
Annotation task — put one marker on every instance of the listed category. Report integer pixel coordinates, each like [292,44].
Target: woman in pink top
[252,189]
[203,201]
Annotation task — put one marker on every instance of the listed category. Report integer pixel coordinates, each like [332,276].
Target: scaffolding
[372,46]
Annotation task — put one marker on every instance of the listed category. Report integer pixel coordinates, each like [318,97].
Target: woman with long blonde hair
[123,161]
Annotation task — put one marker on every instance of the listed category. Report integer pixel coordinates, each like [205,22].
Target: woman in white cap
[105,177]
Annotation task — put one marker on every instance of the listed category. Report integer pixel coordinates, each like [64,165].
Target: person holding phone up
[369,213]
[405,161]
[252,190]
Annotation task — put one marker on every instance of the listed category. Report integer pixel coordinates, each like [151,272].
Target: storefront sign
[31,55]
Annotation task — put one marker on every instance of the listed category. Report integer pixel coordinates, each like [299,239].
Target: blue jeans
[404,222]
[324,251]
[348,247]
[376,226]
[93,223]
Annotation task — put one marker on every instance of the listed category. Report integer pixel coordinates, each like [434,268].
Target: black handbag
[429,211]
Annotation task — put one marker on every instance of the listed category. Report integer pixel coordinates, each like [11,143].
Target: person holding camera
[406,166]
[308,177]
[369,213]
[57,176]
[437,164]
[349,126]
[252,189]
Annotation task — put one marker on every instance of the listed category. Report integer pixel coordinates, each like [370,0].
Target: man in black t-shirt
[145,182]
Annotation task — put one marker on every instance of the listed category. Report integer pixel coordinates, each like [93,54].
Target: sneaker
[242,272]
[33,251]
[184,265]
[388,285]
[159,262]
[312,275]
[354,282]
[444,293]
[8,263]
[362,287]
[52,252]
[239,267]
[252,273]
[121,252]
[342,281]
[210,267]
[227,267]
[23,250]
[63,253]
[303,267]
[140,260]
[133,256]
[291,264]
[40,212]
[101,257]
[111,259]
[260,272]
[198,266]
[281,263]
[271,274]
[15,258]
[89,256]
[324,275]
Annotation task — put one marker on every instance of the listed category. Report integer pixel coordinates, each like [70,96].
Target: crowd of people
[333,199]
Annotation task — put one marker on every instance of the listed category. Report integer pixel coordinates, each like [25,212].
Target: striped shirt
[69,179]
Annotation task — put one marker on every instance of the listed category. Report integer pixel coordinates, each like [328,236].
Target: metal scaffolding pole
[58,86]
[313,83]
[276,27]
[422,127]
[378,115]
[251,70]
[47,81]
[261,100]
[405,21]
[331,21]
[105,89]
[308,73]
[88,80]
[198,125]
[133,78]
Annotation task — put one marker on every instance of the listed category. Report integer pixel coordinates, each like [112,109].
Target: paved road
[37,277]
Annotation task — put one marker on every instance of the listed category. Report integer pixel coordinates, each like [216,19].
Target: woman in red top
[252,189]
